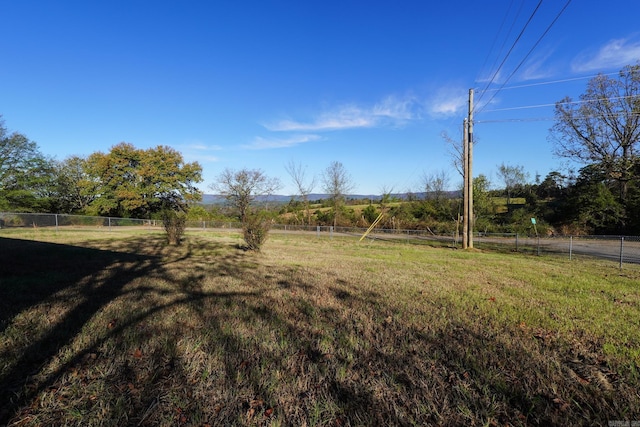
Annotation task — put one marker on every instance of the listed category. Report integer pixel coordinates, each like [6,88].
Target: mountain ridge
[213,199]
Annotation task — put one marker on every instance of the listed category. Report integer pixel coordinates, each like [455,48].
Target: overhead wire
[582,101]
[546,31]
[513,45]
[504,87]
[498,34]
[539,119]
[551,82]
[532,119]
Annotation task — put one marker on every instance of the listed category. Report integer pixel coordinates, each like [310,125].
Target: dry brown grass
[118,329]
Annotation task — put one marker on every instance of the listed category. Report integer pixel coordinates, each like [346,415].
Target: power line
[498,33]
[511,49]
[540,119]
[534,119]
[582,101]
[552,82]
[524,107]
[528,53]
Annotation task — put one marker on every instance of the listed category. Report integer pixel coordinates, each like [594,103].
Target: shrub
[174,224]
[256,230]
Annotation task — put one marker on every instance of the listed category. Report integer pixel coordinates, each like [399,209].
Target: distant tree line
[599,134]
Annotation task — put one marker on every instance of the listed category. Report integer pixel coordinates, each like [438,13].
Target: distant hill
[214,199]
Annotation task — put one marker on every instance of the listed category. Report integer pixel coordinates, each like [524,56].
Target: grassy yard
[117,328]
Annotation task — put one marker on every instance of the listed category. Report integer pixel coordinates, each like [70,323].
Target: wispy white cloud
[203,147]
[261,143]
[397,110]
[615,54]
[447,101]
[494,77]
[345,117]
[537,67]
[200,152]
[391,110]
[201,158]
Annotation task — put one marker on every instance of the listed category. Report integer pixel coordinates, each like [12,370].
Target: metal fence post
[583,245]
[570,247]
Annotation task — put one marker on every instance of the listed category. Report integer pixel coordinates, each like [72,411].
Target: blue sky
[258,84]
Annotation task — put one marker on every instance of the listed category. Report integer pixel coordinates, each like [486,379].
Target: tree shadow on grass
[68,285]
[263,343]
[32,272]
[78,281]
[355,363]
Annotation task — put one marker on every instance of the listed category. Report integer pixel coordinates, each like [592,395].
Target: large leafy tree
[25,174]
[75,188]
[603,127]
[241,188]
[553,185]
[594,207]
[554,205]
[169,181]
[513,177]
[139,183]
[483,204]
[633,204]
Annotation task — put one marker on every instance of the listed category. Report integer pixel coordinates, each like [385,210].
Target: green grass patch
[119,328]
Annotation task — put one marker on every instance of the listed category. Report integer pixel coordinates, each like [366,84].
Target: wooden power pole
[465,185]
[467,196]
[470,174]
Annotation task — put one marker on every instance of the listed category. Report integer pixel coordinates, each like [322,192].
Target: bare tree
[240,188]
[455,151]
[336,182]
[435,184]
[298,175]
[603,128]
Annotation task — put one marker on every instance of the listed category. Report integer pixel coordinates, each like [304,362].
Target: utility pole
[467,196]
[465,185]
[470,175]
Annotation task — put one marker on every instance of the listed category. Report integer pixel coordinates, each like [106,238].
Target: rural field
[117,328]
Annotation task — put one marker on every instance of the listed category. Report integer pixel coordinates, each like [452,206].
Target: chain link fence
[621,249]
[29,220]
